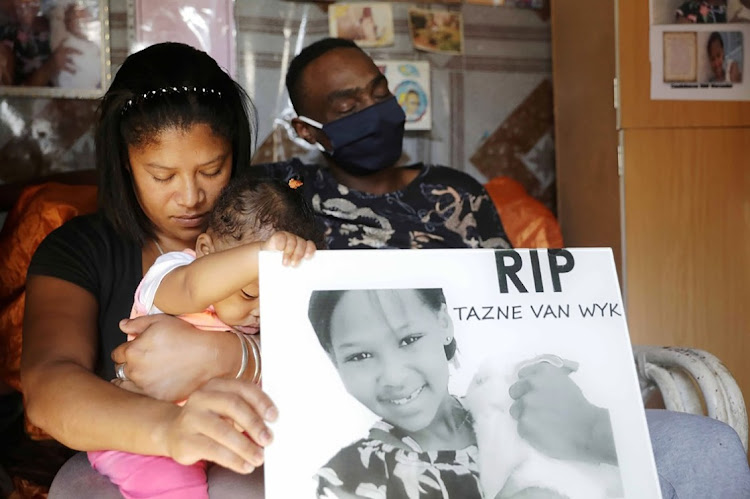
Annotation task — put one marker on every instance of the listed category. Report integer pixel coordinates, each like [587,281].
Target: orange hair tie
[294,183]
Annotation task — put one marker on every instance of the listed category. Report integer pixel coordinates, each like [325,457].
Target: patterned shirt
[440,208]
[372,469]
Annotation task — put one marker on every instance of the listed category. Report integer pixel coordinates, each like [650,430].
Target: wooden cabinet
[681,203]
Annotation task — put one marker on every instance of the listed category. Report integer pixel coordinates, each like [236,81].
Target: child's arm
[213,277]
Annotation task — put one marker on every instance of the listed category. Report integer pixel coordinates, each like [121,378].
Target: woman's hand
[223,422]
[294,247]
[168,358]
[556,418]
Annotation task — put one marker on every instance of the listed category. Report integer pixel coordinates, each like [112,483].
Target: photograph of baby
[393,350]
[436,30]
[368,24]
[54,48]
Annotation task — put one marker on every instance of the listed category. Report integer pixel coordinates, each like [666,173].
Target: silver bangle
[253,342]
[245,355]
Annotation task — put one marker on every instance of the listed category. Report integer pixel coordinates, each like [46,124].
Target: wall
[487,93]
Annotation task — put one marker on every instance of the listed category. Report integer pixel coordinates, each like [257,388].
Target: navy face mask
[367,141]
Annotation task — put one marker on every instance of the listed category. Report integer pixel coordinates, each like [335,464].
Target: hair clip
[295,182]
[168,90]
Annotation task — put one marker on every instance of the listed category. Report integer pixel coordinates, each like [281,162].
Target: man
[345,108]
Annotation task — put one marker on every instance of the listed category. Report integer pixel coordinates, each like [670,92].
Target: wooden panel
[687,205]
[585,136]
[637,110]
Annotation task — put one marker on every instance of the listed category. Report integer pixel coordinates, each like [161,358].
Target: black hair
[715,36]
[251,208]
[323,303]
[303,59]
[162,86]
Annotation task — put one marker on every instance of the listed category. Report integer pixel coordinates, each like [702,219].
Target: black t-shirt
[87,252]
[441,208]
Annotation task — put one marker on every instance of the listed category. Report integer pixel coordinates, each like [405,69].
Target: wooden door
[583,69]
[686,211]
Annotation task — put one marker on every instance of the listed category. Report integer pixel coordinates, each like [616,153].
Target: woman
[173,129]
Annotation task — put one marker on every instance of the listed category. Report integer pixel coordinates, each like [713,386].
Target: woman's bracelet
[245,355]
[255,349]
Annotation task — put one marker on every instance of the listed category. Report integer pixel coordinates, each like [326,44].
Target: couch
[687,380]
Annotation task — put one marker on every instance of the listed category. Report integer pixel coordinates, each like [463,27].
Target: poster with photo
[409,81]
[698,49]
[54,48]
[436,30]
[405,372]
[368,24]
[704,63]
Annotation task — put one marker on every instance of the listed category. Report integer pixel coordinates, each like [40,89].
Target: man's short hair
[303,59]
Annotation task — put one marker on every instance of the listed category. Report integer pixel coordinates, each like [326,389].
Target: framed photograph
[54,48]
[409,81]
[680,56]
[207,25]
[438,31]
[694,11]
[699,62]
[368,24]
[413,367]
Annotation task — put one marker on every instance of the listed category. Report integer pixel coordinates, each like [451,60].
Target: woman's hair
[252,208]
[167,85]
[714,37]
[323,303]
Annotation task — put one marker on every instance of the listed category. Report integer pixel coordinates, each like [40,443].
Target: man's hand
[556,418]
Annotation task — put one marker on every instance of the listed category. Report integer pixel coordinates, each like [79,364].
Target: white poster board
[503,310]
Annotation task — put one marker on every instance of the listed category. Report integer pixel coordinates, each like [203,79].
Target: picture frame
[55,48]
[208,25]
[437,31]
[680,57]
[368,24]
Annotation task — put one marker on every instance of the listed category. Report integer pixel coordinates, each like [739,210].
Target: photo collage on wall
[698,49]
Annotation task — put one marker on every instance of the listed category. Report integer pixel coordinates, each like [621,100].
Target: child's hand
[294,247]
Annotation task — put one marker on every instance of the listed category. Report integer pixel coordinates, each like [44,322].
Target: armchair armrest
[690,380]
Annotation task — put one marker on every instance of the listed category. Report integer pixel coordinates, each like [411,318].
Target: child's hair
[323,302]
[251,208]
[162,86]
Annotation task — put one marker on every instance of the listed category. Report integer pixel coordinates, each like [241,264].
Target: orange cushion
[39,210]
[528,223]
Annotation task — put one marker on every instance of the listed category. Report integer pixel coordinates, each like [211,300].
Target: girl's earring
[448,340]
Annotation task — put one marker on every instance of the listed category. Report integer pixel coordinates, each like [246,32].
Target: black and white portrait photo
[419,385]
